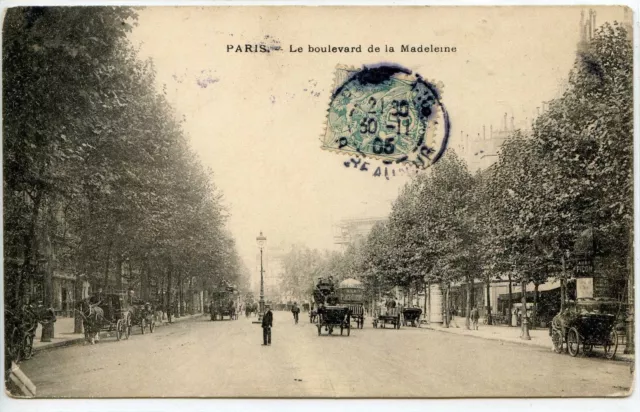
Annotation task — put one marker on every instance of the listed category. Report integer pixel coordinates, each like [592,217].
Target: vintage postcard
[318,202]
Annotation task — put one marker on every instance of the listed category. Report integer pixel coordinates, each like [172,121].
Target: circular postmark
[389,113]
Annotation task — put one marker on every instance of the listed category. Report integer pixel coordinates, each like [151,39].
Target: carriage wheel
[556,339]
[28,346]
[573,342]
[127,328]
[119,329]
[152,326]
[611,346]
[142,325]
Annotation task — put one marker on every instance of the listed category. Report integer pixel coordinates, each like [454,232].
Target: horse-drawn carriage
[219,309]
[351,293]
[390,315]
[108,312]
[223,303]
[330,317]
[331,311]
[143,315]
[586,323]
[411,316]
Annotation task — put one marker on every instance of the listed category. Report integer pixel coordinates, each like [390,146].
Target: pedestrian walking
[267,324]
[452,319]
[475,316]
[295,310]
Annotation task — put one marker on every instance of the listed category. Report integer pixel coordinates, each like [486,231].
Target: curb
[77,341]
[618,358]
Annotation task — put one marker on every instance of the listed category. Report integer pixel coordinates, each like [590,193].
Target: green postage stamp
[386,112]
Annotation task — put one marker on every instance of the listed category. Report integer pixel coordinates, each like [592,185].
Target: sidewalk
[539,337]
[64,335]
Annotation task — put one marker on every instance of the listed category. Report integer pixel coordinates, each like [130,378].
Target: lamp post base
[525,331]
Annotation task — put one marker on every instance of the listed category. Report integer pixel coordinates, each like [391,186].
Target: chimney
[484,135]
[512,123]
[594,20]
[589,26]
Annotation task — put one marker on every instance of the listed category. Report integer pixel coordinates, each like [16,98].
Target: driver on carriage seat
[97,298]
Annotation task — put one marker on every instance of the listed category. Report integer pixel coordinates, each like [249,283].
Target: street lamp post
[525,318]
[261,240]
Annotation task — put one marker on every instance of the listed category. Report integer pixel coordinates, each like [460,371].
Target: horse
[92,319]
[249,309]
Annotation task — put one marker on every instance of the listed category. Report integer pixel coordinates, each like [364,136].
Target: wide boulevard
[198,357]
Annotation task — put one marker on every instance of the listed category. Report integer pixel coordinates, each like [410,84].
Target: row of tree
[99,179]
[558,196]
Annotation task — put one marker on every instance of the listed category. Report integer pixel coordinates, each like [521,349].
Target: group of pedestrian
[474,317]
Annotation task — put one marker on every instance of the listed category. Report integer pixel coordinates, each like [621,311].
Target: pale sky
[256,119]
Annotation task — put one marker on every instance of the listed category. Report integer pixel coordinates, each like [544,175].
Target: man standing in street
[475,316]
[267,324]
[295,310]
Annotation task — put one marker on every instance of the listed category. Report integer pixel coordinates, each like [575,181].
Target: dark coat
[267,319]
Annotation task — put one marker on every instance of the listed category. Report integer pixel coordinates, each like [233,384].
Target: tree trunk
[446,306]
[119,273]
[180,297]
[190,300]
[534,314]
[77,318]
[467,309]
[427,301]
[168,297]
[563,286]
[49,300]
[105,282]
[162,297]
[145,291]
[489,318]
[509,311]
[31,251]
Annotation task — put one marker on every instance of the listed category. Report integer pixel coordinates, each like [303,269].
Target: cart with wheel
[142,316]
[351,293]
[117,315]
[330,317]
[585,324]
[411,316]
[390,316]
